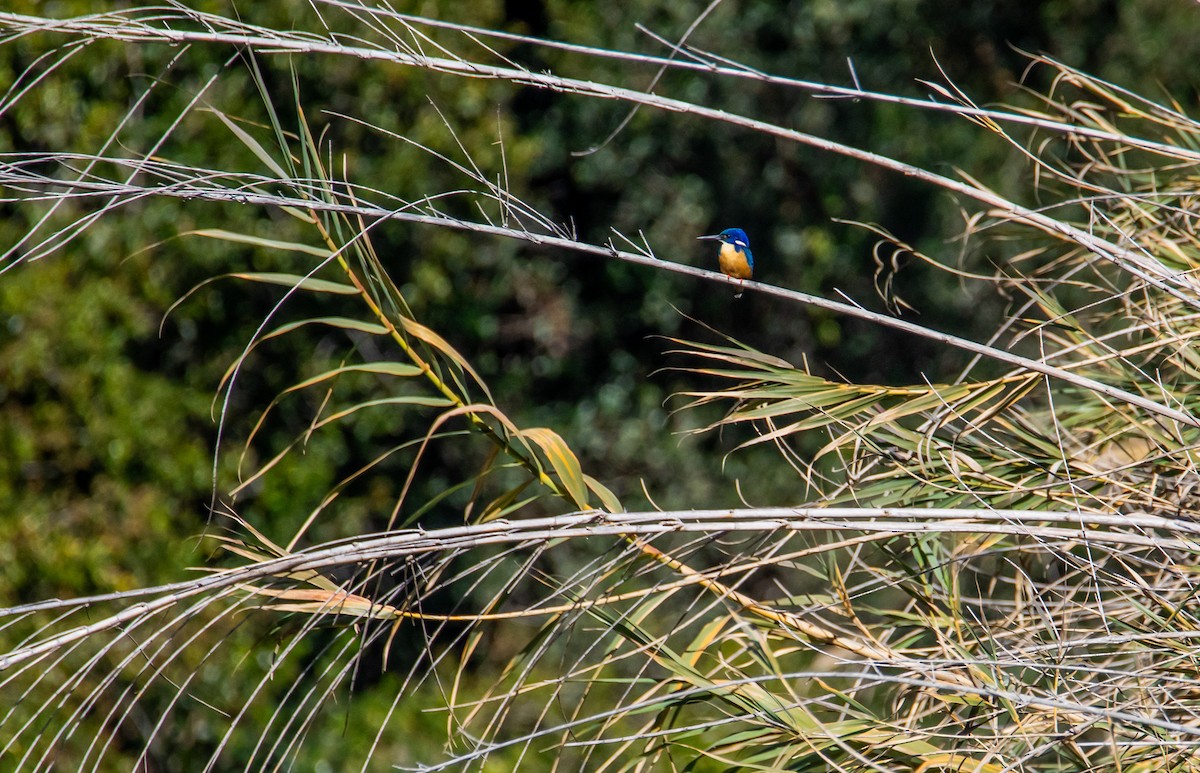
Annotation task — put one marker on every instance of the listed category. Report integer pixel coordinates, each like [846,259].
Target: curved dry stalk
[711,64]
[988,676]
[543,240]
[890,521]
[122,27]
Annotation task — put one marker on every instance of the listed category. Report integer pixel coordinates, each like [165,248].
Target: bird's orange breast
[733,262]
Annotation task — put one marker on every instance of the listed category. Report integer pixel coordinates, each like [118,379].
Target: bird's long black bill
[716,238]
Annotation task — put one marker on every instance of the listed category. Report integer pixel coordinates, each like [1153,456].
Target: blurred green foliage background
[107,406]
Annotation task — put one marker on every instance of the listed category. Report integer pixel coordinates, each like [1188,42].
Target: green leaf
[401,369]
[342,323]
[607,498]
[259,241]
[419,331]
[294,280]
[255,147]
[427,402]
[562,459]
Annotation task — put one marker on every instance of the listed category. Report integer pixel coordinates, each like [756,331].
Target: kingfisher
[734,258]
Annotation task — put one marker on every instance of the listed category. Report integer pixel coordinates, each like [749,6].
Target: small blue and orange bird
[735,259]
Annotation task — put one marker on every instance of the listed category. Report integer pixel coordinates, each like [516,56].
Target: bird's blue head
[735,237]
